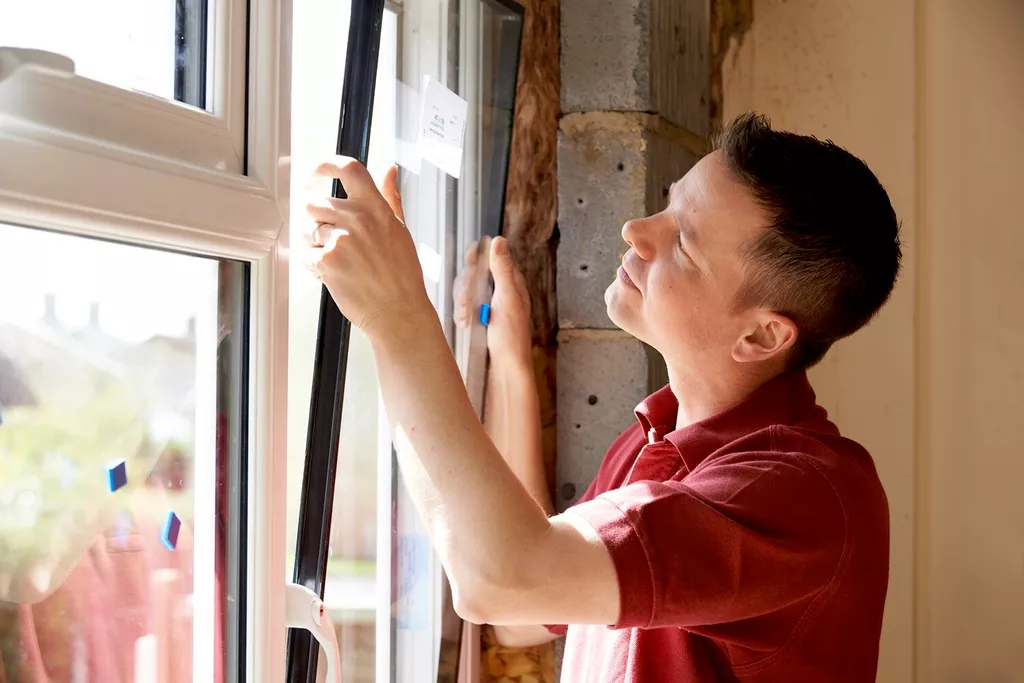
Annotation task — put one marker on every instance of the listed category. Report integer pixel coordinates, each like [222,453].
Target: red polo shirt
[751,546]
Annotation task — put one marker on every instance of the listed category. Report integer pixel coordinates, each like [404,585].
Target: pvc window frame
[86,158]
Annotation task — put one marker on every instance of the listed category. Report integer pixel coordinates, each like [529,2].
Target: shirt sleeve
[747,535]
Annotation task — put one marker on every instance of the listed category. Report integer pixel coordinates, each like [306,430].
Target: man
[731,534]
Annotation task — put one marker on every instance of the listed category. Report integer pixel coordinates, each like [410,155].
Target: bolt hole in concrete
[584,267]
[580,201]
[621,167]
[577,426]
[592,400]
[568,491]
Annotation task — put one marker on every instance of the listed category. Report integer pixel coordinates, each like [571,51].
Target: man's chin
[620,315]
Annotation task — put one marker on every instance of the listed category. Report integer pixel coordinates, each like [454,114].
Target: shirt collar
[784,399]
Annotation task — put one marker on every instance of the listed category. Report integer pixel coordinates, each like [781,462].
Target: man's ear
[770,336]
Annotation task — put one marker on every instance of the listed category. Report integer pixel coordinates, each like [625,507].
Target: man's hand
[508,333]
[362,252]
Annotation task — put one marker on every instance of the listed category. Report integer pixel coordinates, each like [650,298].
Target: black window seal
[332,345]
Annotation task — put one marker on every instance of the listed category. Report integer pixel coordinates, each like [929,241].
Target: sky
[141,292]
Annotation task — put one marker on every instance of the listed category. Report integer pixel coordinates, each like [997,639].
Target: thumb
[502,266]
[392,195]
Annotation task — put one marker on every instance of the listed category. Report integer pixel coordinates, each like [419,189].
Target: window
[142,340]
[143,199]
[127,44]
[190,52]
[122,375]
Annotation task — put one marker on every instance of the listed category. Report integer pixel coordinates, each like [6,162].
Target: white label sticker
[442,127]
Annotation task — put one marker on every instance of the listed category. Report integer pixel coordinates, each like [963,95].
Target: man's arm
[512,409]
[508,562]
[513,420]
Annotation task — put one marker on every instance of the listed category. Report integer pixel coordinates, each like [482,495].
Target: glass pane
[154,46]
[120,459]
[448,210]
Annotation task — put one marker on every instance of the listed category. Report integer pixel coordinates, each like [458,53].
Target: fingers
[472,254]
[328,212]
[353,175]
[392,194]
[460,295]
[324,235]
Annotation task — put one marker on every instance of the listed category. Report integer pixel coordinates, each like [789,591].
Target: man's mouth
[624,276]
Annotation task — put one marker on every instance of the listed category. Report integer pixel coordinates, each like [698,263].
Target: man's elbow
[487,602]
[475,605]
[467,606]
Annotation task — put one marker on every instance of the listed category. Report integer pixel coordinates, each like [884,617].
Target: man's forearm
[482,520]
[512,418]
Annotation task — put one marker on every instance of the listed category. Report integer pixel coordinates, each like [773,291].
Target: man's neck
[702,394]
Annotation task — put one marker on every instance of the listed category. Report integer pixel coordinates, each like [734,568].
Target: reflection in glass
[144,45]
[117,354]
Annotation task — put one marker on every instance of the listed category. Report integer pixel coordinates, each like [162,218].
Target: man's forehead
[698,175]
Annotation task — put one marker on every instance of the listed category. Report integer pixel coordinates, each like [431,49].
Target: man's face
[679,279]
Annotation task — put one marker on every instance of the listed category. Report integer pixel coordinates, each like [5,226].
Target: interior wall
[971,297]
[930,95]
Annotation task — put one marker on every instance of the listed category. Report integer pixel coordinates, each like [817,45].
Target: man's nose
[637,234]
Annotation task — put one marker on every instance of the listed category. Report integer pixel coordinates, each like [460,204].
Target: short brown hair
[831,253]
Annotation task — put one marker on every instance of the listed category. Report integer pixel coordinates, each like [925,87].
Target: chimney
[94,315]
[50,309]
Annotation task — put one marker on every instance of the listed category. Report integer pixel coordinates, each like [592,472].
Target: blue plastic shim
[485,314]
[117,475]
[171,528]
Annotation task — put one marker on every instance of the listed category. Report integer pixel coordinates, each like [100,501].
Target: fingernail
[502,246]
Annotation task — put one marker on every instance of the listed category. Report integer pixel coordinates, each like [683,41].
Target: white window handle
[304,609]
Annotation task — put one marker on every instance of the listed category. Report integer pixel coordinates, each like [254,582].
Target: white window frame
[85,158]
